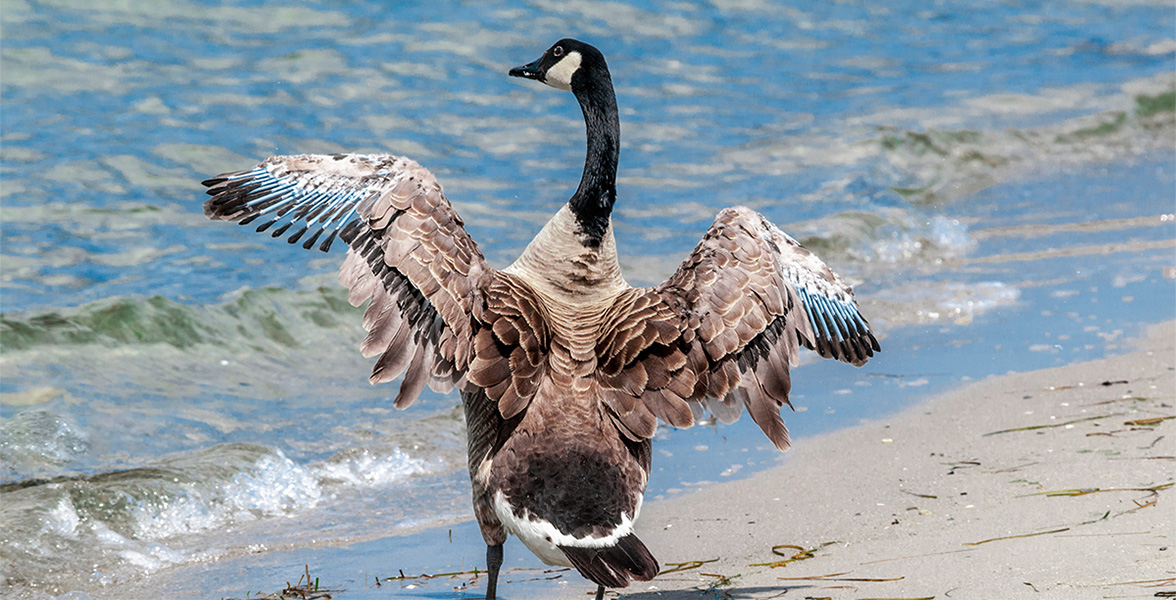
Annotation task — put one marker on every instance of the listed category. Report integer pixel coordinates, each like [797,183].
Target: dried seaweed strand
[685,566]
[1155,582]
[1102,518]
[1013,537]
[918,495]
[1139,506]
[1052,425]
[1084,491]
[402,576]
[838,577]
[720,580]
[1148,422]
[802,554]
[1016,468]
[309,590]
[882,560]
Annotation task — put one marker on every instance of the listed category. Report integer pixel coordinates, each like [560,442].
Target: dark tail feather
[614,566]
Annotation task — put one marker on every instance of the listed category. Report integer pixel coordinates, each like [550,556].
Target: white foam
[74,595]
[937,301]
[275,485]
[365,468]
[907,240]
[272,486]
[62,520]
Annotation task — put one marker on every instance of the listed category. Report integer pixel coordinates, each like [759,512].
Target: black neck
[593,201]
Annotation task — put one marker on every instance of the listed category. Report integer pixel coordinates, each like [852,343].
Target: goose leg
[493,562]
[600,592]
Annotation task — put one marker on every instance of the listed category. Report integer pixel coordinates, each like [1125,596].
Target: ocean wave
[934,165]
[283,322]
[938,154]
[267,319]
[108,527]
[927,302]
[36,440]
[886,235]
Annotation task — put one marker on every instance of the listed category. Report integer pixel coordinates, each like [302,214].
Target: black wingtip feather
[350,231]
[223,177]
[294,237]
[614,566]
[326,245]
[312,239]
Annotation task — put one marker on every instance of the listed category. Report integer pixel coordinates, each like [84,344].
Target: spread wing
[408,252]
[723,331]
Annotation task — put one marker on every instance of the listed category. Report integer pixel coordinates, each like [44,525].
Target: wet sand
[1046,484]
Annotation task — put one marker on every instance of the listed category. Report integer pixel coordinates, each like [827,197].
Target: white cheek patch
[560,74]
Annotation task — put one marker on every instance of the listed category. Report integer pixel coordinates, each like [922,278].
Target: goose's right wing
[724,329]
[409,252]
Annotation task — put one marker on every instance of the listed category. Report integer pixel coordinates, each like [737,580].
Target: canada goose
[563,367]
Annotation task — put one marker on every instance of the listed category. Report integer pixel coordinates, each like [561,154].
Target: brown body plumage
[564,369]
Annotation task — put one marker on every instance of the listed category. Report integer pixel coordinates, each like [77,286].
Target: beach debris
[918,495]
[840,577]
[1052,425]
[801,554]
[1084,491]
[720,579]
[305,589]
[685,566]
[874,562]
[1117,400]
[469,578]
[1148,422]
[1016,468]
[1140,503]
[916,598]
[963,464]
[1145,583]
[466,579]
[1018,536]
[1104,517]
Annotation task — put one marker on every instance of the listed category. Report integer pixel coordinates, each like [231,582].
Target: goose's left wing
[409,252]
[724,329]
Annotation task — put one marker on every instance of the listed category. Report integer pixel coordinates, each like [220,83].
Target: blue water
[997,180]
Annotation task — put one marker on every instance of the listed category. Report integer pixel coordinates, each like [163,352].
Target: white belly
[537,535]
[543,539]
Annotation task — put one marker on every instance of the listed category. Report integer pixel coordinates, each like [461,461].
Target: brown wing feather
[511,344]
[723,331]
[409,253]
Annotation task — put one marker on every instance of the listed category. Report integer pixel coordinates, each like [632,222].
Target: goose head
[569,65]
[577,67]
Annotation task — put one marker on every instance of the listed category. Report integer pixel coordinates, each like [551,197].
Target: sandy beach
[1045,484]
[1055,483]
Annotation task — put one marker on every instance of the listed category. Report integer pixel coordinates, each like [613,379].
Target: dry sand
[954,498]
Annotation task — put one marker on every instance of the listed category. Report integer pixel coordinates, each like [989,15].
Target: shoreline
[1050,483]
[1054,483]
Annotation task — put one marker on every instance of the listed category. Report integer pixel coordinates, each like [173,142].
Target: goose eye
[557,51]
